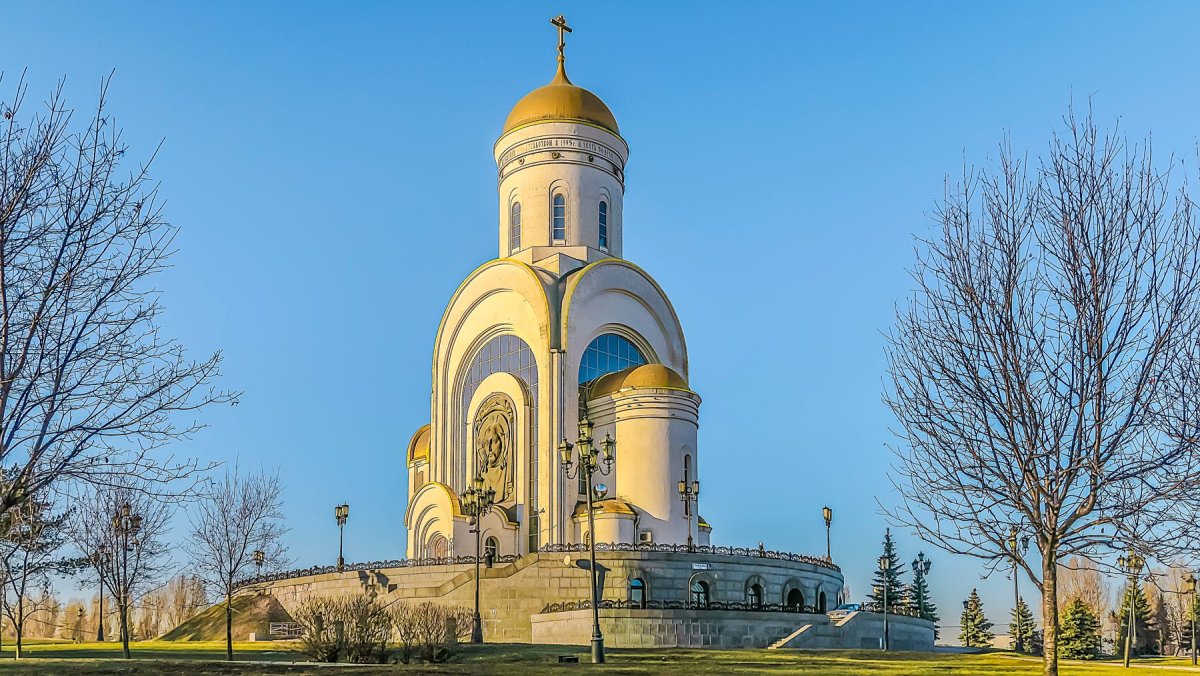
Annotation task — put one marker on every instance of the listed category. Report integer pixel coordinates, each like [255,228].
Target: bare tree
[89,385]
[1082,579]
[184,597]
[122,529]
[32,540]
[1044,372]
[238,516]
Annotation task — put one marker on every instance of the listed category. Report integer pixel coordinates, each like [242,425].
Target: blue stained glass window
[603,225]
[608,353]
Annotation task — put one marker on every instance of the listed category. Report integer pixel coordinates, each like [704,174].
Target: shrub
[429,631]
[366,629]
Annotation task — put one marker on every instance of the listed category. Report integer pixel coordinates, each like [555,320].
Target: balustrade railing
[608,604]
[706,550]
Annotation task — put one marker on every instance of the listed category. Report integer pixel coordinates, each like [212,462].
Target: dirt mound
[251,613]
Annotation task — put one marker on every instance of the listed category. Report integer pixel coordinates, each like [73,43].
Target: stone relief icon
[495,439]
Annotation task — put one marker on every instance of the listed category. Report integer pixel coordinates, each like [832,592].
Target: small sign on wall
[701,566]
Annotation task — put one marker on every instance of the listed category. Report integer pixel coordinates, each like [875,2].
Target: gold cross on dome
[561,22]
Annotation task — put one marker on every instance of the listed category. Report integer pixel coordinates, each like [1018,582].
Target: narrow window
[559,216]
[603,225]
[491,547]
[637,593]
[514,227]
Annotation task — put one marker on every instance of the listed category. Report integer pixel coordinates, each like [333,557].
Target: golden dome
[561,100]
[644,376]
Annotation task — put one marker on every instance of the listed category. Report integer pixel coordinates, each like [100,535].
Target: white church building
[558,328]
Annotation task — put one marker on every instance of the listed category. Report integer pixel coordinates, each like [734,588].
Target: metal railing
[617,604]
[707,550]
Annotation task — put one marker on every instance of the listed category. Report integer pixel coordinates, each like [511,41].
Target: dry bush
[316,616]
[366,636]
[429,631]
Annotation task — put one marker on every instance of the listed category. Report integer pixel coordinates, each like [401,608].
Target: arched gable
[612,290]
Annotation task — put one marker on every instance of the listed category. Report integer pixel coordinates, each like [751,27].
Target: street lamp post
[589,463]
[341,513]
[126,527]
[476,502]
[1017,554]
[101,556]
[921,567]
[966,607]
[885,564]
[827,514]
[1190,587]
[689,494]
[1132,564]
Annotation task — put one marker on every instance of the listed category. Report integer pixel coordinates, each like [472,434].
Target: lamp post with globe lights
[827,514]
[1017,547]
[1189,586]
[476,502]
[690,495]
[921,567]
[341,513]
[126,527]
[1132,563]
[885,563]
[590,462]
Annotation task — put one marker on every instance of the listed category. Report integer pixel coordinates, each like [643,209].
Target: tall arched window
[559,218]
[514,227]
[637,593]
[821,602]
[699,594]
[603,224]
[608,353]
[795,600]
[508,354]
[491,547]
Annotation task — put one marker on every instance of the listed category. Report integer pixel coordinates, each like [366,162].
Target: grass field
[262,659]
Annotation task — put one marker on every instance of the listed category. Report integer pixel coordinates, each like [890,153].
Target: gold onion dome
[561,100]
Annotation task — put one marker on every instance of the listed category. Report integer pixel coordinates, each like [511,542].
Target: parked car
[844,610]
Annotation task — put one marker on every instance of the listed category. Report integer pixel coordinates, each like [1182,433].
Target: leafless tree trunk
[1045,371]
[89,386]
[236,517]
[121,530]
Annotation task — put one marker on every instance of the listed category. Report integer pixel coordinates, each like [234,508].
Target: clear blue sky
[330,166]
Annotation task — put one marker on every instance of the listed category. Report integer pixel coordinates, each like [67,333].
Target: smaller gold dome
[644,376]
[418,447]
[561,100]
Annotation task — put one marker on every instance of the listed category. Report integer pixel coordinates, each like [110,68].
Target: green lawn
[260,659]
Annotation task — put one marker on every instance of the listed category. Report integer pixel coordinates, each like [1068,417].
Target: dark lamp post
[689,494]
[591,461]
[885,565]
[827,514]
[477,501]
[1132,563]
[341,513]
[1017,548]
[921,567]
[101,557]
[1189,586]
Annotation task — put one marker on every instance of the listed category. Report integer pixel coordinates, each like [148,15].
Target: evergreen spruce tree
[921,601]
[1146,632]
[1079,632]
[976,630]
[1023,627]
[897,591]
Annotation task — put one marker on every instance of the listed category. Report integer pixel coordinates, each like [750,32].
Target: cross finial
[560,21]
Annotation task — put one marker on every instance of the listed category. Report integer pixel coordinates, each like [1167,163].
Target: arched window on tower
[514,227]
[559,218]
[604,225]
[608,353]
